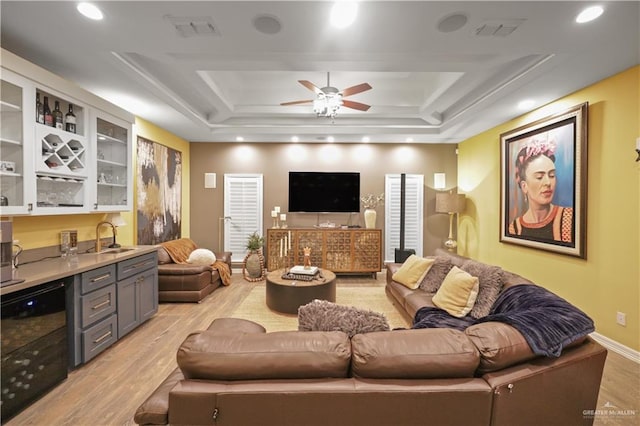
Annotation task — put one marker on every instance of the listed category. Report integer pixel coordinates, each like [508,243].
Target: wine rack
[338,250]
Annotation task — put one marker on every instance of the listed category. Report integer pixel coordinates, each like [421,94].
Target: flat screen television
[324,192]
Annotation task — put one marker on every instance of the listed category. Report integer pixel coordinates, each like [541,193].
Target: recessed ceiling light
[294,139]
[343,13]
[526,104]
[239,139]
[589,14]
[90,11]
[409,140]
[366,139]
[330,139]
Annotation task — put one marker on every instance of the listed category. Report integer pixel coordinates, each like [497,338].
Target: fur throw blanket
[180,249]
[547,321]
[321,315]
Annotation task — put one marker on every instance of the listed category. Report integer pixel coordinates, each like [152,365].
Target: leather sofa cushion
[182,269]
[279,355]
[235,325]
[500,346]
[163,256]
[413,354]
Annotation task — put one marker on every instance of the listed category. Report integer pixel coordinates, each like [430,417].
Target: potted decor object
[370,202]
[253,264]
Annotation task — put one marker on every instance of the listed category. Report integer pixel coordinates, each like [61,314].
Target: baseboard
[616,347]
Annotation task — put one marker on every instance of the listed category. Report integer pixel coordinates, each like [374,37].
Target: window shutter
[413,225]
[243,208]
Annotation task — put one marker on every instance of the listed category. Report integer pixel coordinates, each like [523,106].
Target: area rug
[255,308]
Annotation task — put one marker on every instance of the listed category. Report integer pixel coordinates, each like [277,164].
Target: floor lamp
[448,202]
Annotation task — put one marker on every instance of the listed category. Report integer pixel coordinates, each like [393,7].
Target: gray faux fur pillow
[491,280]
[321,315]
[437,273]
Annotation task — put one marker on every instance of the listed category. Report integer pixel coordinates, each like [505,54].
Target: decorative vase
[370,218]
[253,268]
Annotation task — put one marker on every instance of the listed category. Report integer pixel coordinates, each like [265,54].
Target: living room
[602,284]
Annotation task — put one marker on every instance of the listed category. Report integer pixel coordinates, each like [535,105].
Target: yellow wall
[43,231]
[608,280]
[154,133]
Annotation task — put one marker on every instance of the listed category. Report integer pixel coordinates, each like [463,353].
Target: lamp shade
[447,202]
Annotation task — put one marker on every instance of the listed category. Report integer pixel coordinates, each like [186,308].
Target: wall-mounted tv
[324,192]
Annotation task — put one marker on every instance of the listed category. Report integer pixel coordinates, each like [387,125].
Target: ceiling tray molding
[140,71]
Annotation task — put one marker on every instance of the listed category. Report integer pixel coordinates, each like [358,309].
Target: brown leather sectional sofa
[235,373]
[179,282]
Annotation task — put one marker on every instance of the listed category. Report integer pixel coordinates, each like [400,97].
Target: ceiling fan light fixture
[343,13]
[327,104]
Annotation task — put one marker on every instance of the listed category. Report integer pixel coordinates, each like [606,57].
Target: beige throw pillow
[458,293]
[413,271]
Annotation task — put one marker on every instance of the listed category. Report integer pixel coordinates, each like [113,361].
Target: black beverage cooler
[34,345]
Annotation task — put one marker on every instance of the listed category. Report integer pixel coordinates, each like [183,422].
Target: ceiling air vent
[498,28]
[193,26]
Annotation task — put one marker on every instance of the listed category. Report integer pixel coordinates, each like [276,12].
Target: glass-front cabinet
[113,172]
[62,162]
[62,150]
[16,136]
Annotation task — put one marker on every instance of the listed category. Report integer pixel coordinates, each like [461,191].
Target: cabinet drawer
[98,278]
[99,337]
[130,267]
[97,305]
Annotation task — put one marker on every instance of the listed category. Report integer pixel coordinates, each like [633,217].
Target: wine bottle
[57,116]
[70,120]
[48,118]
[39,110]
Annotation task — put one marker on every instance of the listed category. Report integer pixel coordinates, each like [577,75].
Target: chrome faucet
[113,229]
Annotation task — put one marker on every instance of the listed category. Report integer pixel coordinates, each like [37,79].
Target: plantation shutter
[413,225]
[242,210]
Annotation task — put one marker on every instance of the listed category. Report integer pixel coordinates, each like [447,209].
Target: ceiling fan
[329,99]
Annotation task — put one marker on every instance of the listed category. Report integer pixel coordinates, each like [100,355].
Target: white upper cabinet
[82,164]
[16,142]
[112,176]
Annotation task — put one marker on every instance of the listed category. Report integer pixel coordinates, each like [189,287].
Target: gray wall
[275,160]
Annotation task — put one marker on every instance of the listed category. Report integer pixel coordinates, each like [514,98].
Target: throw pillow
[413,271]
[201,257]
[490,280]
[440,268]
[458,293]
[321,315]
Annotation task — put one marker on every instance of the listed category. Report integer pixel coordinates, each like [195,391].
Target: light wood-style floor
[108,389]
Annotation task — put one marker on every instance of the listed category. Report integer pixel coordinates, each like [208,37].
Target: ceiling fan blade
[355,105]
[356,89]
[308,101]
[309,85]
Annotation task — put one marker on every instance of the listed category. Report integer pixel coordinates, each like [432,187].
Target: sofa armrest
[225,256]
[391,269]
[155,410]
[182,269]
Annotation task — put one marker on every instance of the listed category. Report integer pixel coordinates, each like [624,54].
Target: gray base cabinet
[109,302]
[137,293]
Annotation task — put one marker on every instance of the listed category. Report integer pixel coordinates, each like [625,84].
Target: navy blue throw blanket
[547,321]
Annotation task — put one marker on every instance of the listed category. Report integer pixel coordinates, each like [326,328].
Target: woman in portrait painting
[535,176]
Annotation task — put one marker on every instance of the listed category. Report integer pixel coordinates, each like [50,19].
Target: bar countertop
[46,270]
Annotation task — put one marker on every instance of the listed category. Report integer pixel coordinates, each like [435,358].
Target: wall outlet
[621,318]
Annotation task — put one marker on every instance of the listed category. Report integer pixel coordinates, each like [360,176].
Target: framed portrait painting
[544,183]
